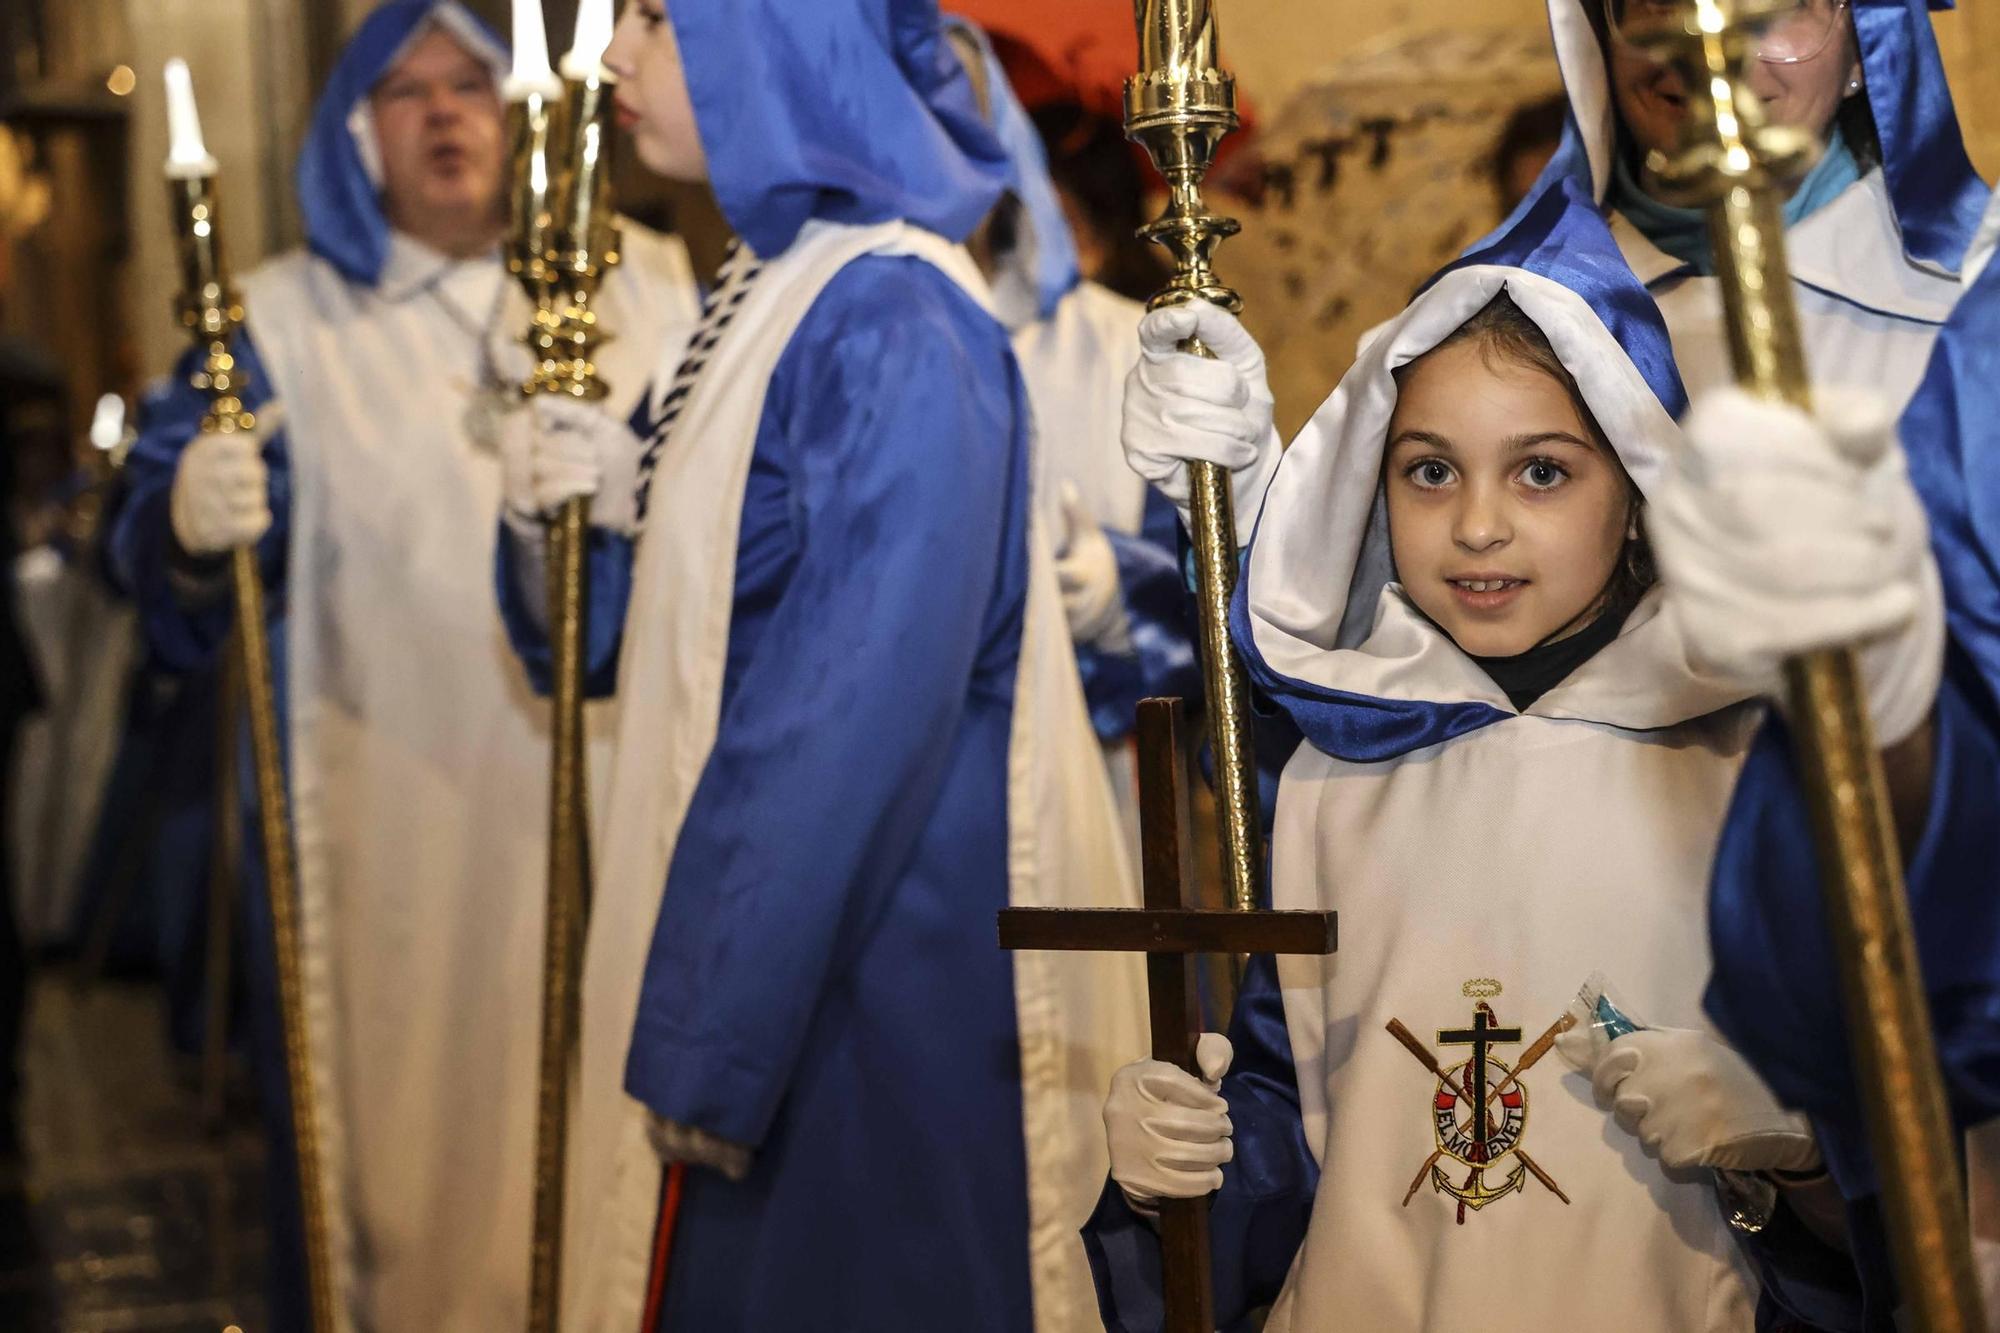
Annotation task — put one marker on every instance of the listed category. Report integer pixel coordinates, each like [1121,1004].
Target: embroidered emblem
[1479,1108]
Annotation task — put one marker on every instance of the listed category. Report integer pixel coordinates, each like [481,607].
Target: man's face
[439,124]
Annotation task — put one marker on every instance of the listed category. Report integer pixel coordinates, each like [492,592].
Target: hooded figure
[1768,966]
[417,760]
[1116,540]
[1493,832]
[1875,234]
[850,731]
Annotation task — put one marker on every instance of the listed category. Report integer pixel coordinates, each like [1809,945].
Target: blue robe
[845,851]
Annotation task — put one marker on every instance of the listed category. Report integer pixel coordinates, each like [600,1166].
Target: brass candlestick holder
[566,241]
[1740,168]
[535,129]
[1180,106]
[211,313]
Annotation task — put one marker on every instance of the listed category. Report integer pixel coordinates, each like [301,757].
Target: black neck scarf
[1526,677]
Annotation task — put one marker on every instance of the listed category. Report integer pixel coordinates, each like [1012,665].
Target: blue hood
[1937,195]
[849,111]
[1558,233]
[1043,261]
[338,196]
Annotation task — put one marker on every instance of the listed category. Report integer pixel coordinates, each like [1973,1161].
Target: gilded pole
[1180,105]
[1740,168]
[565,242]
[211,312]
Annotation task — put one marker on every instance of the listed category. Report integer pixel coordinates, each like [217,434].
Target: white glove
[221,496]
[1777,534]
[558,448]
[676,1142]
[1087,572]
[1168,1130]
[1692,1101]
[1181,408]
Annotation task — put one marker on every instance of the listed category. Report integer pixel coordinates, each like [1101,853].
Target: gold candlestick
[1741,169]
[566,242]
[211,313]
[534,128]
[1179,106]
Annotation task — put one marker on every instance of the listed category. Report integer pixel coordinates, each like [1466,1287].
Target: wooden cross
[1172,935]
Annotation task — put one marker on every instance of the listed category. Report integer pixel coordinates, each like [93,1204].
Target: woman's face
[1823,68]
[653,102]
[1506,519]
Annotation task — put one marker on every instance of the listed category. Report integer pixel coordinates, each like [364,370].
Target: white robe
[419,764]
[1074,364]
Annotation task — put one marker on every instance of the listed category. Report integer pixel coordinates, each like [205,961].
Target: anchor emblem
[1479,1108]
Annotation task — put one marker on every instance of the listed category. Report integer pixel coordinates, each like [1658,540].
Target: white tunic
[419,763]
[1508,865]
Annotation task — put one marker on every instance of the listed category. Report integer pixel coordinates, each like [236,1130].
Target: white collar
[412,267]
[1850,249]
[1640,681]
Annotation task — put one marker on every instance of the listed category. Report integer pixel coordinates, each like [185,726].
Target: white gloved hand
[558,448]
[221,496]
[675,1142]
[1168,1130]
[1181,408]
[1693,1101]
[1087,572]
[1777,535]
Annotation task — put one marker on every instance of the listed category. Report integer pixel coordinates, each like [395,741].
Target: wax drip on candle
[187,156]
[531,55]
[594,21]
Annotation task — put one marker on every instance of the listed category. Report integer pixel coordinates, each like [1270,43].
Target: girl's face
[1817,67]
[653,102]
[1506,519]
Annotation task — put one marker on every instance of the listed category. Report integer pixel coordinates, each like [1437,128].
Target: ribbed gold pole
[211,313]
[565,240]
[1179,106]
[1739,168]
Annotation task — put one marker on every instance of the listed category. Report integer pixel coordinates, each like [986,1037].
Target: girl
[1521,756]
[850,727]
[1876,232]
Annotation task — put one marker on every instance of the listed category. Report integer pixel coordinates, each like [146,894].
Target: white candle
[187,156]
[594,21]
[531,55]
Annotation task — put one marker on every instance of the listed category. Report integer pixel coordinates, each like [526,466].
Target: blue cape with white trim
[848,111]
[338,196]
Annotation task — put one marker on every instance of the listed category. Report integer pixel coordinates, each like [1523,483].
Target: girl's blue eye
[1543,474]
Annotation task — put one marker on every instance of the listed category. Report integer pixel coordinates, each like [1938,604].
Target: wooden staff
[1740,169]
[211,313]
